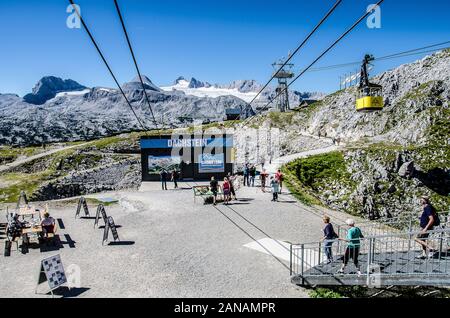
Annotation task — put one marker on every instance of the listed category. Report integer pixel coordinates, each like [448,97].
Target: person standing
[232,179]
[279,177]
[253,175]
[214,187]
[329,235]
[354,236]
[175,178]
[428,221]
[263,177]
[226,191]
[246,175]
[163,175]
[275,188]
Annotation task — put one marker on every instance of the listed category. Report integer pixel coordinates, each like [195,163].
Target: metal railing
[393,255]
[406,222]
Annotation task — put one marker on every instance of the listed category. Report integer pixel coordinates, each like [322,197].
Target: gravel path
[181,248]
[20,162]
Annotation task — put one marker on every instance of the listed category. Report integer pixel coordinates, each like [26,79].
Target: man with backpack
[428,221]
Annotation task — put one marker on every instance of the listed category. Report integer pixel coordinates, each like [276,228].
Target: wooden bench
[204,192]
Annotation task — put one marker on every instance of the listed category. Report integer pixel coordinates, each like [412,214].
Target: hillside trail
[22,161]
[277,163]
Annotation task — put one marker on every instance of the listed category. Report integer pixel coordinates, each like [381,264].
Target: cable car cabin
[370,96]
[370,99]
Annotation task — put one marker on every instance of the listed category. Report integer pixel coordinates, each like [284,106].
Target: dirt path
[19,162]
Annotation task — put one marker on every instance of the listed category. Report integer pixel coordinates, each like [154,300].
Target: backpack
[437,220]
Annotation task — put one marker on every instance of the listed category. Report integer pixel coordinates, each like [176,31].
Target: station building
[196,157]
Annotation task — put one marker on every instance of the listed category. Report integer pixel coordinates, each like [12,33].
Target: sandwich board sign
[101,211]
[52,271]
[82,204]
[110,225]
[23,200]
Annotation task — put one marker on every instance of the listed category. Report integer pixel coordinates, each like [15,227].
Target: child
[275,188]
[226,191]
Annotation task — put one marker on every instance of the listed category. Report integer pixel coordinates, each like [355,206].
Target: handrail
[382,256]
[445,230]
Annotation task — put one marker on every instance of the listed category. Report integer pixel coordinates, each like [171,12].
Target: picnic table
[29,211]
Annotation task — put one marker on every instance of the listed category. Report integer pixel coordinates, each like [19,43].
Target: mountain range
[63,110]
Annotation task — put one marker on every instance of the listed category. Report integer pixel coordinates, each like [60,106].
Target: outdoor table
[29,211]
[26,232]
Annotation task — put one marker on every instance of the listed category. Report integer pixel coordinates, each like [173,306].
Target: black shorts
[423,236]
[214,192]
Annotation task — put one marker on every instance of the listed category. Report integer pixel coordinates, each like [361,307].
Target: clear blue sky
[215,40]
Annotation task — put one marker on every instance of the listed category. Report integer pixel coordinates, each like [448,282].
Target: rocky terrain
[392,157]
[388,159]
[63,110]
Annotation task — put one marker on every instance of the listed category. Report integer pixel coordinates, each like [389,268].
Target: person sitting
[15,228]
[48,225]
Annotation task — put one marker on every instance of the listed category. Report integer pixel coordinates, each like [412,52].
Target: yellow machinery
[369,97]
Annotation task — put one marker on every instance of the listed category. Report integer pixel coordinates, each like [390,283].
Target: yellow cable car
[370,96]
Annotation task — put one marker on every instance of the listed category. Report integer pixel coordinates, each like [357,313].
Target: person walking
[175,178]
[428,221]
[279,177]
[214,187]
[226,191]
[329,235]
[354,236]
[163,175]
[263,178]
[275,186]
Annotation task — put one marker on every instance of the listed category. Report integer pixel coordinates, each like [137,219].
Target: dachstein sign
[194,157]
[185,143]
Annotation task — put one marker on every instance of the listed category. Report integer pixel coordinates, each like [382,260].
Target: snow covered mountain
[63,110]
[243,89]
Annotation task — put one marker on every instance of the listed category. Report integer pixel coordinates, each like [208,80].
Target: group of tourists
[249,175]
[353,240]
[228,187]
[166,176]
[429,220]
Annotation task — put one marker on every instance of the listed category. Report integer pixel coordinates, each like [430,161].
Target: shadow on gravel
[65,292]
[123,243]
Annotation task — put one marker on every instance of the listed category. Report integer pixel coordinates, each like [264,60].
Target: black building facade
[196,157]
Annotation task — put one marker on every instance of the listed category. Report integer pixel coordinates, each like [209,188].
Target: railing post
[290,261]
[410,235]
[303,264]
[320,252]
[369,259]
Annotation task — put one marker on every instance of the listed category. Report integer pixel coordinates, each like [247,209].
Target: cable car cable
[320,56]
[298,48]
[135,62]
[387,57]
[106,63]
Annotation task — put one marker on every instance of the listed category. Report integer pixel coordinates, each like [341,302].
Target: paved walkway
[178,248]
[279,162]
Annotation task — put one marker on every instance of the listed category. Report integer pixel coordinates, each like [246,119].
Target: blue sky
[216,41]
